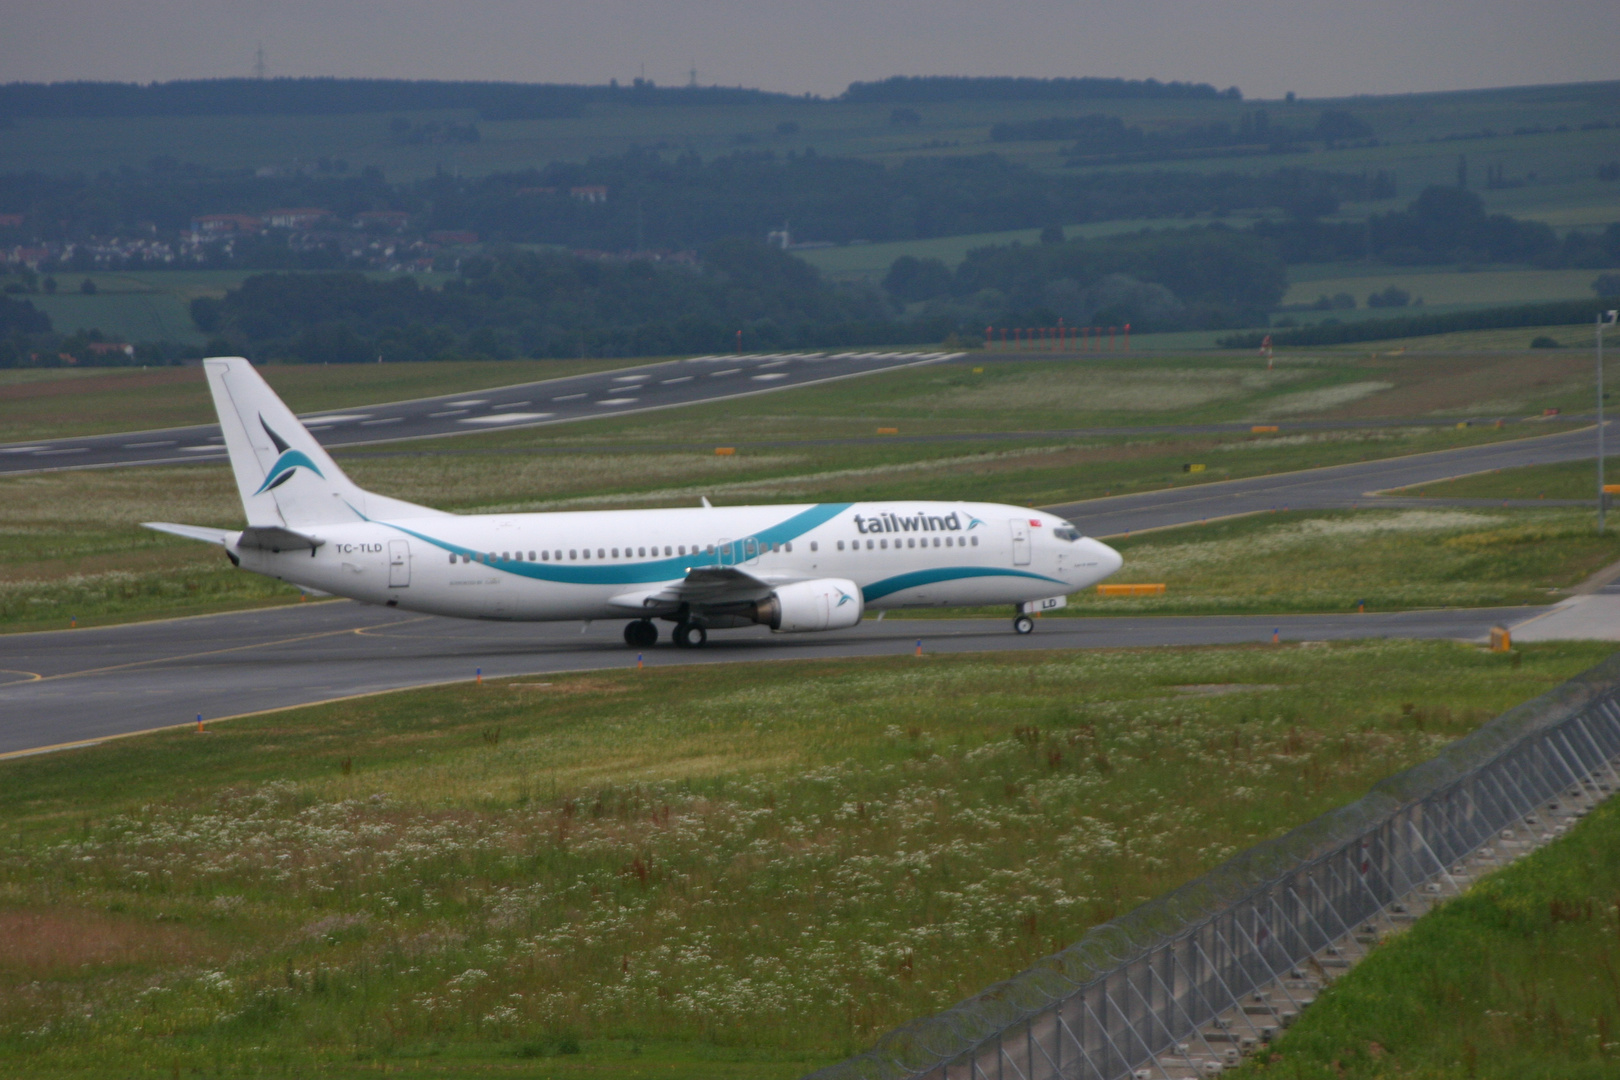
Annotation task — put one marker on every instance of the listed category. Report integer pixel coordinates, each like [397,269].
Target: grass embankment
[726,871]
[56,403]
[1519,978]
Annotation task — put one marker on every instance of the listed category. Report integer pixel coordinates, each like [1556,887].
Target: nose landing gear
[1023,624]
[641,634]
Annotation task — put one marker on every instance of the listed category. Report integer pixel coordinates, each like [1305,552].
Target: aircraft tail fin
[285,477]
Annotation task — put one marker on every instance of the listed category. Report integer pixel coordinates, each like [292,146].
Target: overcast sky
[1316,48]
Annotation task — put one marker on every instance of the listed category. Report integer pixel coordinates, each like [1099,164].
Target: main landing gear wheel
[690,636]
[641,634]
[1023,624]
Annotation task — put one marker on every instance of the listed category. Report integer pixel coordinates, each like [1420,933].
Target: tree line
[330,96]
[506,100]
[550,304]
[679,202]
[1442,225]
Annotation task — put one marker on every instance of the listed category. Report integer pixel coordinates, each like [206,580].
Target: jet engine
[804,606]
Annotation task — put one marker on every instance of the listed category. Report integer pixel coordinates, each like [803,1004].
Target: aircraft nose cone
[1108,560]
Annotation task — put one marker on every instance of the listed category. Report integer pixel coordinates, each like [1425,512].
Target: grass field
[985,393]
[58,402]
[71,547]
[734,871]
[1571,480]
[1391,560]
[1515,979]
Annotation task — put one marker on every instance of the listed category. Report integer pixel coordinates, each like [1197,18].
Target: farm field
[870,262]
[1512,980]
[1420,137]
[726,872]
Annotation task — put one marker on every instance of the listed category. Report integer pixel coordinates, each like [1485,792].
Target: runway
[85,685]
[71,686]
[555,401]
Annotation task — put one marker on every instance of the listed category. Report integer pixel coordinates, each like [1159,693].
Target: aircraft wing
[703,586]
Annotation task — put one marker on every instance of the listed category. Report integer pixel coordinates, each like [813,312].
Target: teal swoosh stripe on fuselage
[899,582]
[643,573]
[289,459]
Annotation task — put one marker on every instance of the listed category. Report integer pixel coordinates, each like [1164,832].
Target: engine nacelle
[805,606]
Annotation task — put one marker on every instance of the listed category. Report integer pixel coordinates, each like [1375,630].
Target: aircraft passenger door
[1020,542]
[399,564]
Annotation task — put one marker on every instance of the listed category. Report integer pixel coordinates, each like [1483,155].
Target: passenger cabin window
[975,541]
[573,553]
[813,546]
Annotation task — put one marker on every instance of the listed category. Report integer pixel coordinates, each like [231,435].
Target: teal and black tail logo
[286,464]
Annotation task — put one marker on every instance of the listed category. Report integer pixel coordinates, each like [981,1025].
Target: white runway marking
[505,418]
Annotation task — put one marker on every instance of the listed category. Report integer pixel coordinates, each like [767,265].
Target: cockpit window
[1065,531]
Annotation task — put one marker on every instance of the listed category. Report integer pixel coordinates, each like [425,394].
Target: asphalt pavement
[75,686]
[554,401]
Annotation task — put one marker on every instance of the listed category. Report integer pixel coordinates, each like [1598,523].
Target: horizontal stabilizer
[264,537]
[275,538]
[223,537]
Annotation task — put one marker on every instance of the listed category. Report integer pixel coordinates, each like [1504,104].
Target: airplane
[794,568]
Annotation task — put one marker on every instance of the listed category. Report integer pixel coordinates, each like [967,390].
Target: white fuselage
[558,566]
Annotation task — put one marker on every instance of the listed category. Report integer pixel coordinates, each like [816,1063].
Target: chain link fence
[1178,971]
